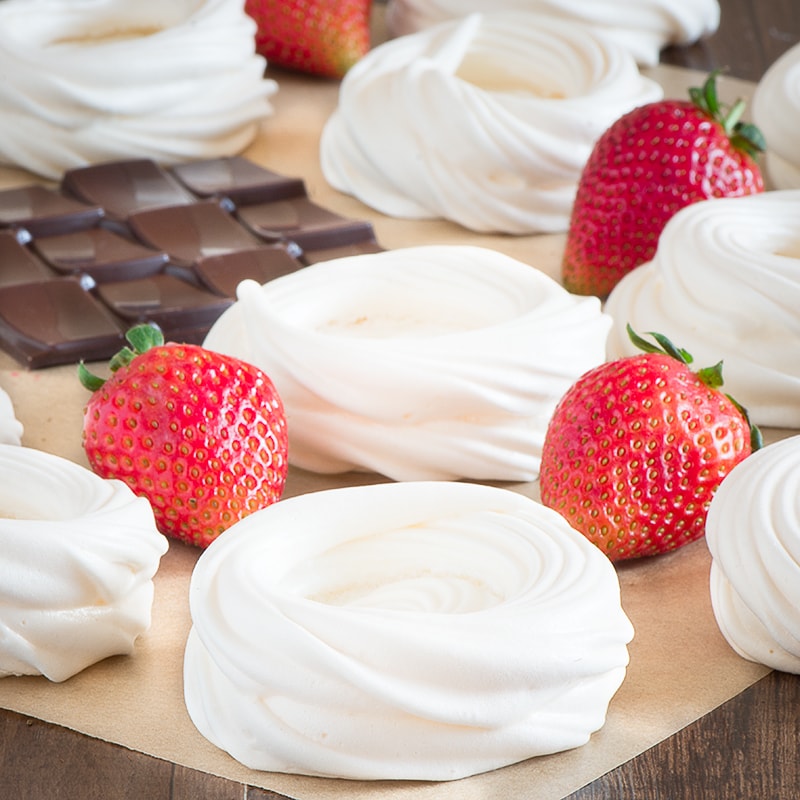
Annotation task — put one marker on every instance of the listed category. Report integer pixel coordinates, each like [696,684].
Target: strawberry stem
[141,338]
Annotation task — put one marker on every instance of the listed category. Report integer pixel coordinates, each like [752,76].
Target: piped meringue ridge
[428,631]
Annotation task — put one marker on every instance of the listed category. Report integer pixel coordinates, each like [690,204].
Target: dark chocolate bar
[125,242]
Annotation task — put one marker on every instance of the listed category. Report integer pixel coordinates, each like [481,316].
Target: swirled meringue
[776,111]
[432,362]
[79,555]
[97,80]
[753,533]
[645,27]
[10,427]
[428,631]
[725,284]
[485,121]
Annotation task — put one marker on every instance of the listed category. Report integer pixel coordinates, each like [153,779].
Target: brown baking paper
[680,666]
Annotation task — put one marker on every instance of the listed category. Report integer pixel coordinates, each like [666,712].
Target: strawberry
[648,165]
[637,447]
[318,37]
[202,436]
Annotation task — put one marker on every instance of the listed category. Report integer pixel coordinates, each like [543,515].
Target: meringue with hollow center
[99,80]
[76,576]
[776,111]
[644,27]
[725,285]
[402,631]
[753,533]
[486,121]
[432,362]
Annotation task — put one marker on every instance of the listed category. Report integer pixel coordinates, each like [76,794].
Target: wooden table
[746,748]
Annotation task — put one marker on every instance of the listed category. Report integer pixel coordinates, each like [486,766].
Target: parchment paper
[680,668]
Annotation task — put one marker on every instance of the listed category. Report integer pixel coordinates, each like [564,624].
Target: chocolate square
[188,233]
[125,187]
[171,303]
[42,211]
[238,179]
[222,274]
[18,264]
[57,321]
[103,254]
[302,221]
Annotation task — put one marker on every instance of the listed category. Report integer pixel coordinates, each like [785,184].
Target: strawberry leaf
[140,337]
[756,439]
[664,346]
[711,376]
[143,337]
[88,379]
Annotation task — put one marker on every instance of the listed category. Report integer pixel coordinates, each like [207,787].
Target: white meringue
[776,111]
[431,362]
[78,557]
[753,533]
[11,429]
[645,27]
[725,284]
[486,121]
[412,631]
[97,80]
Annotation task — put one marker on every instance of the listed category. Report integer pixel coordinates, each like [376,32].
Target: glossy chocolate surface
[55,322]
[18,264]
[42,211]
[222,274]
[238,179]
[129,241]
[125,187]
[188,233]
[101,253]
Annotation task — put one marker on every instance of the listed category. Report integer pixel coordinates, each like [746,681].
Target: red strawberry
[202,436]
[637,447]
[648,165]
[319,37]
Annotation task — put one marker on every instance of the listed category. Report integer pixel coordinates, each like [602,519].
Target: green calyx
[140,338]
[743,135]
[710,376]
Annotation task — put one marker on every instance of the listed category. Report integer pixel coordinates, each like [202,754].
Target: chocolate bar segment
[164,299]
[53,322]
[101,253]
[42,211]
[124,187]
[188,233]
[302,221]
[18,264]
[222,274]
[238,179]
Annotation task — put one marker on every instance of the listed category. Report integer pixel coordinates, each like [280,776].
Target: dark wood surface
[751,36]
[746,749]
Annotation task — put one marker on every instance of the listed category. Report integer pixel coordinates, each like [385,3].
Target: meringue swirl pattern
[421,363]
[428,631]
[725,284]
[486,121]
[97,80]
[79,555]
[776,110]
[11,428]
[645,27]
[753,533]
